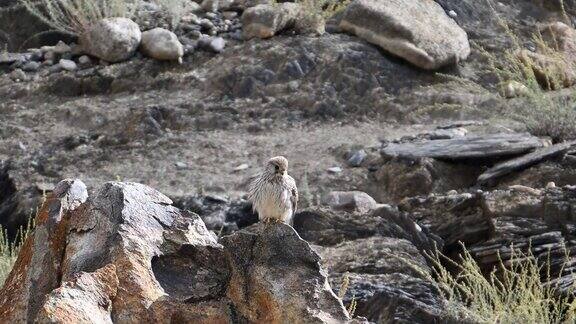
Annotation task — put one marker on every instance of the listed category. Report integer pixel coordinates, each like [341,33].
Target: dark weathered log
[525,161]
[468,147]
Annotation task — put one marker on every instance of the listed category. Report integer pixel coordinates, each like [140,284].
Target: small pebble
[452,14]
[334,170]
[18,75]
[68,65]
[31,66]
[84,60]
[452,193]
[241,167]
[230,14]
[357,158]
[180,165]
[62,48]
[217,44]
[550,185]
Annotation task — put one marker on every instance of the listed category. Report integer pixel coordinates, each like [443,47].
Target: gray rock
[467,147]
[85,61]
[181,165]
[112,39]
[61,48]
[350,201]
[356,158]
[68,65]
[31,66]
[18,75]
[161,44]
[334,169]
[405,29]
[217,44]
[9,58]
[525,161]
[213,44]
[229,14]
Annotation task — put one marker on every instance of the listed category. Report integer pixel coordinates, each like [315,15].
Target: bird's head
[277,166]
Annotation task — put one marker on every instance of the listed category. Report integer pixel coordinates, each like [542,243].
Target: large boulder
[162,44]
[418,31]
[112,39]
[127,255]
[277,278]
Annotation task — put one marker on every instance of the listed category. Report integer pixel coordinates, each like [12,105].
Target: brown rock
[272,284]
[127,255]
[87,299]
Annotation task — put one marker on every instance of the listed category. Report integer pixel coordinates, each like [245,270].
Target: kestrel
[273,192]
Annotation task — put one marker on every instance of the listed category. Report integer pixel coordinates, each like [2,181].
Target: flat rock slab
[525,161]
[468,147]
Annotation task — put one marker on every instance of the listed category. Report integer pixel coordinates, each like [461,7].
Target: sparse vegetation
[9,250]
[342,293]
[520,290]
[175,9]
[532,74]
[74,16]
[326,8]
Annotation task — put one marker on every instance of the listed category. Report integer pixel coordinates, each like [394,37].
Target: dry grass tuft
[175,9]
[74,16]
[517,291]
[531,75]
[326,8]
[9,250]
[342,293]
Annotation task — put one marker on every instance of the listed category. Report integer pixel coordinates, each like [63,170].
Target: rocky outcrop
[417,31]
[381,255]
[127,255]
[112,39]
[525,161]
[494,225]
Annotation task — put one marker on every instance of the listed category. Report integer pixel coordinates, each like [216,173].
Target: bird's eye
[276,167]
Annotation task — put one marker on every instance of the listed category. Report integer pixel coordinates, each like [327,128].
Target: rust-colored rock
[128,256]
[87,298]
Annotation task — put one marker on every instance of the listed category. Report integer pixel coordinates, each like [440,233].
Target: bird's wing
[294,196]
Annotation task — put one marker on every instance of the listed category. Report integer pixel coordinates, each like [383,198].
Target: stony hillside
[400,135]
